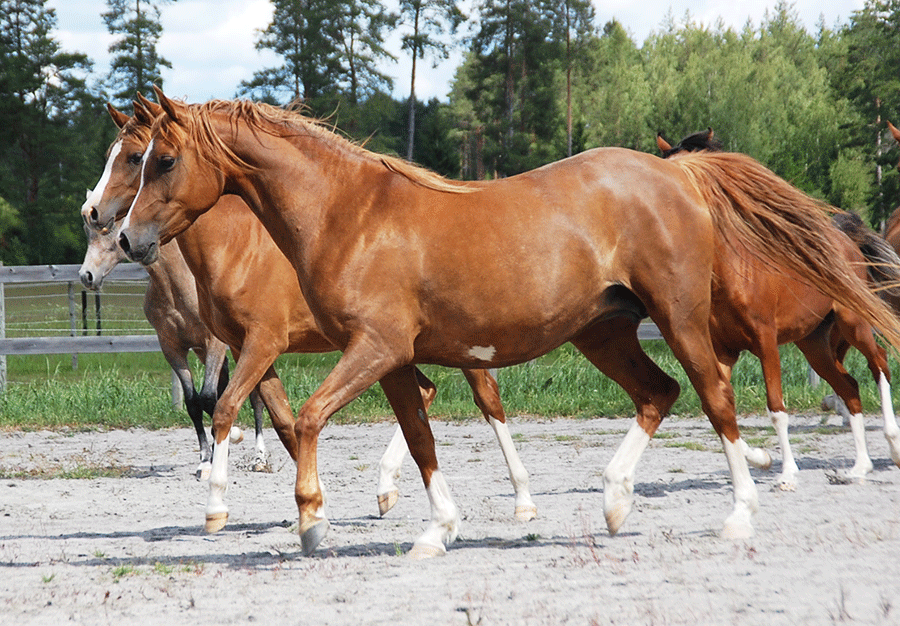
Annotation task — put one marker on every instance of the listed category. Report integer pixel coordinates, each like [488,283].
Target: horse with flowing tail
[227,250]
[400,266]
[170,305]
[892,227]
[757,307]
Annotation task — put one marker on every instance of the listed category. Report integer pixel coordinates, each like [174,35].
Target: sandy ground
[131,549]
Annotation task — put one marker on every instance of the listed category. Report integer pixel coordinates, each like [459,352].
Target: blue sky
[210,43]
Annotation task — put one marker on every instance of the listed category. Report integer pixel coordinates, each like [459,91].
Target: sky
[210,43]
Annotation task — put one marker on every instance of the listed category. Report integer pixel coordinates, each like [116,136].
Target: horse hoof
[616,510]
[203,471]
[236,435]
[737,529]
[215,522]
[312,535]
[386,501]
[426,551]
[786,485]
[262,467]
[526,513]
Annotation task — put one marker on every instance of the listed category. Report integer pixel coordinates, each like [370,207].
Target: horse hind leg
[825,359]
[487,397]
[613,348]
[860,336]
[692,346]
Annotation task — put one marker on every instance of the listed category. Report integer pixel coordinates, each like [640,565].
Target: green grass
[134,390]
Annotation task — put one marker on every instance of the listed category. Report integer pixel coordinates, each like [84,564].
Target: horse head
[696,142]
[178,182]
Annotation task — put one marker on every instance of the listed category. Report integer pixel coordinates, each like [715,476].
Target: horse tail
[883,262]
[756,210]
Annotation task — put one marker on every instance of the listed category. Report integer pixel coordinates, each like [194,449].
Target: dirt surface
[130,548]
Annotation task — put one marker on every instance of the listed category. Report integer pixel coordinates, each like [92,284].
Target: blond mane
[286,123]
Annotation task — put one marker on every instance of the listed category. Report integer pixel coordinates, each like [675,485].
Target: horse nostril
[87,279]
[123,243]
[95,216]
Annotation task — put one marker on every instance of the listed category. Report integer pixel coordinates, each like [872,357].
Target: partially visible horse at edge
[170,305]
[228,249]
[400,266]
[757,307]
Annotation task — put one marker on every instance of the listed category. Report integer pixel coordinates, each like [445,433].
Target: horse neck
[297,183]
[170,273]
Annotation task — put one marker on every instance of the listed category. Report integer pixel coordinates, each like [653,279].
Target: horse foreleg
[252,361]
[487,397]
[392,459]
[405,399]
[363,363]
[613,348]
[260,460]
[176,357]
[389,472]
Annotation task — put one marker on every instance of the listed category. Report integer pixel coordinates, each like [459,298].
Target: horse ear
[170,107]
[141,114]
[894,131]
[662,144]
[154,109]
[709,133]
[119,118]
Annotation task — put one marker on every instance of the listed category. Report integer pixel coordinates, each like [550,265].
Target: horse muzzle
[143,252]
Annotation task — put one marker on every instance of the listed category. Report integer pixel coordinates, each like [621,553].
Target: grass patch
[134,390]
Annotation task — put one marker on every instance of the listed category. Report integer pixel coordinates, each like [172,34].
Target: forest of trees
[540,80]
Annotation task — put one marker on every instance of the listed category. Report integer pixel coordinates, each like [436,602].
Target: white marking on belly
[484,353]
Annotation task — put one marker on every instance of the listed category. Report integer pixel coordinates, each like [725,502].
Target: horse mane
[286,123]
[752,206]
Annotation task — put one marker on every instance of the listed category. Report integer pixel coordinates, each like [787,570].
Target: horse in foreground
[226,250]
[400,266]
[757,307]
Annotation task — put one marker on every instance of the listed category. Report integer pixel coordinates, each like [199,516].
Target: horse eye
[166,163]
[135,158]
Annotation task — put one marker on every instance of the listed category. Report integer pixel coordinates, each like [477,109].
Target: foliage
[136,63]
[432,21]
[48,136]
[330,50]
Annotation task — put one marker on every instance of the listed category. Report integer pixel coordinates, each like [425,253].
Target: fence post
[72,325]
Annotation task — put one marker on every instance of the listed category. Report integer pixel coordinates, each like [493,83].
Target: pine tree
[136,64]
[431,20]
[43,158]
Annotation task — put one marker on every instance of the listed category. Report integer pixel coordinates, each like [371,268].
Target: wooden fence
[77,342]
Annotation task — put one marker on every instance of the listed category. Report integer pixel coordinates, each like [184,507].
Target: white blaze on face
[484,353]
[127,219]
[94,197]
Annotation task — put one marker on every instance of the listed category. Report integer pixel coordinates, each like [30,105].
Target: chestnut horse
[892,227]
[229,249]
[757,307]
[400,266]
[170,305]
